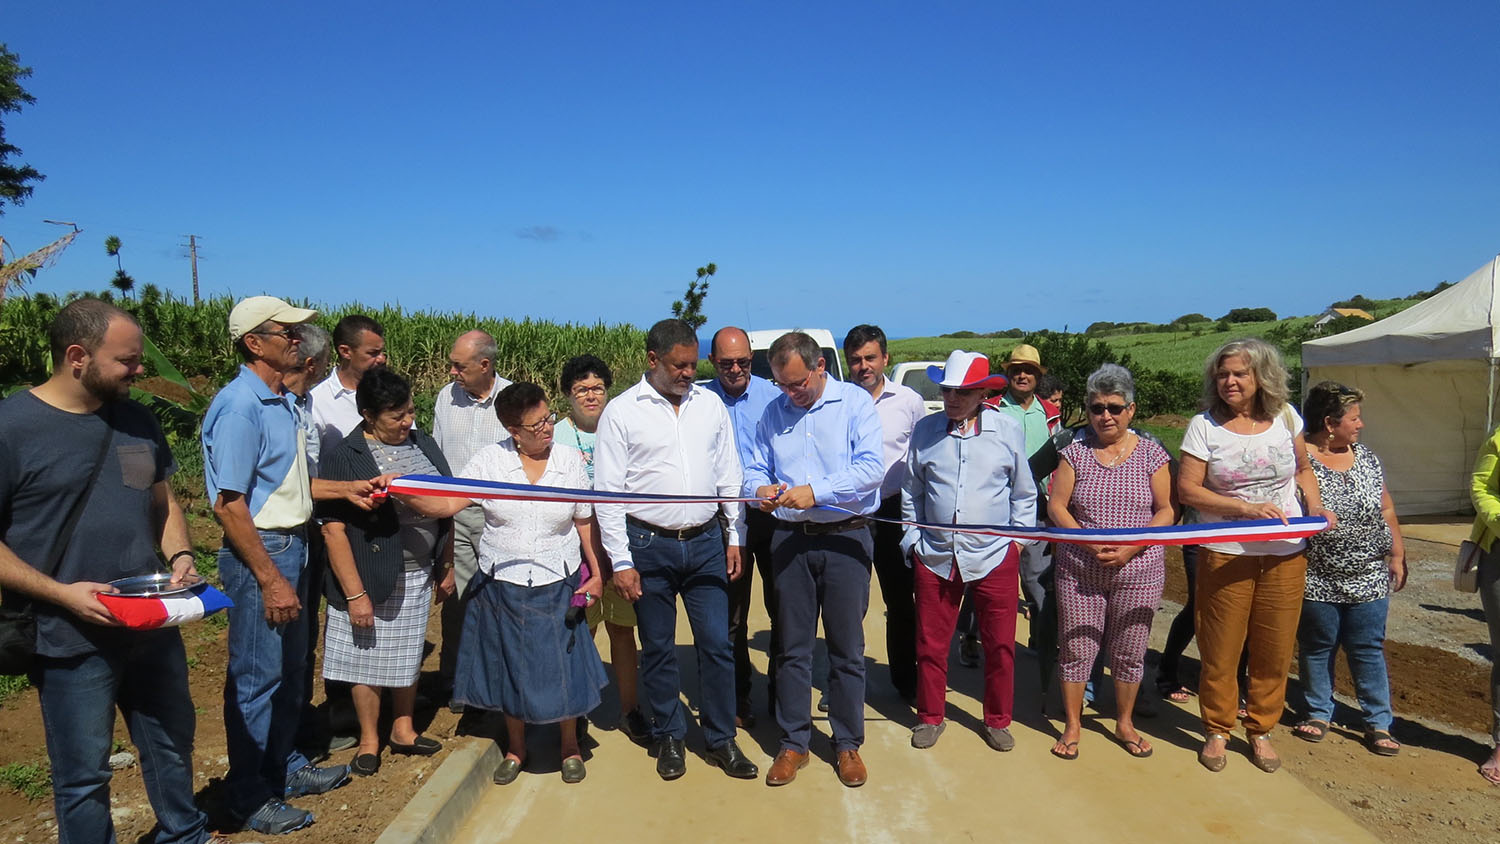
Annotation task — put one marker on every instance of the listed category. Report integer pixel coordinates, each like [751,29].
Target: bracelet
[172,559]
[348,598]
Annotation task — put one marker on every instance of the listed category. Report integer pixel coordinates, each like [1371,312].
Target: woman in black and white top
[1351,570]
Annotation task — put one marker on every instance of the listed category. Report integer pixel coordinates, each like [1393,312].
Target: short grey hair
[485,347]
[1110,379]
[314,343]
[795,343]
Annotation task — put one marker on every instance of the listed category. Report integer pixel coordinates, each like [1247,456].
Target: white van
[913,374]
[760,345]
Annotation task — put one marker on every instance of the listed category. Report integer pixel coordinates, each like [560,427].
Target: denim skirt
[518,654]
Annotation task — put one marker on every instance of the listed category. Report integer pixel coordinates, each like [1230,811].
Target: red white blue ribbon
[150,612]
[1259,530]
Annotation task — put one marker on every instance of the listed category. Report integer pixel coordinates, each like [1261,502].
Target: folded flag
[151,612]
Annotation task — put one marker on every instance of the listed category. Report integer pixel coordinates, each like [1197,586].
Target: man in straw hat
[966,465]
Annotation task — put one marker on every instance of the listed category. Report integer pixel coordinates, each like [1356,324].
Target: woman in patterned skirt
[384,563]
[1351,570]
[1110,477]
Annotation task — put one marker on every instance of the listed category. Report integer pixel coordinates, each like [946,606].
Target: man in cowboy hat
[966,465]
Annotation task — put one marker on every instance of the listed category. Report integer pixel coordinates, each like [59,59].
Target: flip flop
[1135,748]
[1175,692]
[1373,739]
[1491,772]
[1312,730]
[1070,754]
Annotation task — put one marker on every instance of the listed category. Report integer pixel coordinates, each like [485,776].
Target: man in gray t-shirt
[86,664]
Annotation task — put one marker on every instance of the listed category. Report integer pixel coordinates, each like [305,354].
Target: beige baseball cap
[250,313]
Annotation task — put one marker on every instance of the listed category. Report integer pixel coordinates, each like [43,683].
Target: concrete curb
[444,803]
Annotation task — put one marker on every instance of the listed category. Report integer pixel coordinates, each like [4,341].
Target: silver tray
[149,586]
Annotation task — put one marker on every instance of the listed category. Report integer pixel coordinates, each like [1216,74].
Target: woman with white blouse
[521,653]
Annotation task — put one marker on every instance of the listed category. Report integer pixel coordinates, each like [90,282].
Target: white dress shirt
[529,543]
[899,407]
[462,424]
[646,445]
[334,413]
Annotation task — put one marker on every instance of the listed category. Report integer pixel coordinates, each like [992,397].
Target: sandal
[1138,748]
[1490,770]
[1069,752]
[1373,739]
[1214,763]
[1175,692]
[1269,764]
[1312,730]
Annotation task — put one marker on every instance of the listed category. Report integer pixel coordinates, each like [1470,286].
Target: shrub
[1250,315]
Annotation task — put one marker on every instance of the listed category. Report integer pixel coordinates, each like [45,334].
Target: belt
[679,534]
[816,528]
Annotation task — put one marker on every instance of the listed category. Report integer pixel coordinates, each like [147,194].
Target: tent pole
[1489,405]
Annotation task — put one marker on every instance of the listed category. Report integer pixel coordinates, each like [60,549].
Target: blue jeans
[263,687]
[1360,630]
[145,674]
[695,570]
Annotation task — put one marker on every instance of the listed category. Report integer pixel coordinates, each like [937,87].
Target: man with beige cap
[256,474]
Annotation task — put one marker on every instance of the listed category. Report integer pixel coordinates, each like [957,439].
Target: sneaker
[310,779]
[924,736]
[635,725]
[337,743]
[277,818]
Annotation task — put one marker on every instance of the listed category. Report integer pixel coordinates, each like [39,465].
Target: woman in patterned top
[1109,477]
[1351,570]
[1244,458]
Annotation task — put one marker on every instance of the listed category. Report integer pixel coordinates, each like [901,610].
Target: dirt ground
[1438,653]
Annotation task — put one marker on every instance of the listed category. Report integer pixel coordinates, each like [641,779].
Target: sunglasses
[730,364]
[1099,409]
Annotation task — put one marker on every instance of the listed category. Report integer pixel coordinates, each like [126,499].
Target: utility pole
[193,256]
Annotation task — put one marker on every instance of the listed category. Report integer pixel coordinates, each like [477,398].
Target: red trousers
[938,601]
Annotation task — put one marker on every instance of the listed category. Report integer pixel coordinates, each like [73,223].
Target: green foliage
[14,178]
[689,308]
[1189,319]
[1428,294]
[32,780]
[1250,315]
[12,685]
[1357,301]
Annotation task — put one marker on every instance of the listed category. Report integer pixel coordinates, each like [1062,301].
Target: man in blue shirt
[818,447]
[746,397]
[257,476]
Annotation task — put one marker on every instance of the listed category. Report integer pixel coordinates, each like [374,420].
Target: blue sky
[925,166]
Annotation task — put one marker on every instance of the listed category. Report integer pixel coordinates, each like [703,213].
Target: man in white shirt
[463,422]
[899,407]
[668,436]
[360,343]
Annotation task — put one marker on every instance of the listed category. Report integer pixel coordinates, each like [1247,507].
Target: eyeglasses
[729,364]
[580,392]
[286,334]
[960,390]
[1099,408]
[541,424]
[799,385]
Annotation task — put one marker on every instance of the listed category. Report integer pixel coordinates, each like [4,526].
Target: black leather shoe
[734,762]
[671,760]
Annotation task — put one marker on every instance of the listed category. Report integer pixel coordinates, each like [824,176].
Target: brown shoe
[852,769]
[785,767]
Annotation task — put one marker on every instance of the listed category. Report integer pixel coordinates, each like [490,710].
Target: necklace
[1124,448]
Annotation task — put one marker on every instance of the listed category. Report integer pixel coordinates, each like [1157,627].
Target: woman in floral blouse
[1351,570]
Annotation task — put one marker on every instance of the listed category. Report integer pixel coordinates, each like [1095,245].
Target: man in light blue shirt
[818,447]
[966,465]
[745,396]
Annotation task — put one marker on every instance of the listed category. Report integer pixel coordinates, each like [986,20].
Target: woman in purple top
[1110,477]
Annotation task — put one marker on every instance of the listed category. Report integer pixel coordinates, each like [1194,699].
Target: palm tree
[123,282]
[112,248]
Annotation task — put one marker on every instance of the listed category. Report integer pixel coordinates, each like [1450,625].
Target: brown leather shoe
[785,767]
[852,769]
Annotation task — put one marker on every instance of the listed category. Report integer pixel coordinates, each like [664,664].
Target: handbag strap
[61,546]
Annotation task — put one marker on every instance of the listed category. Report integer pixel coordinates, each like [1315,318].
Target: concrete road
[960,790]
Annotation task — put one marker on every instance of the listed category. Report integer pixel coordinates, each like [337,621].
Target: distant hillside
[1182,349]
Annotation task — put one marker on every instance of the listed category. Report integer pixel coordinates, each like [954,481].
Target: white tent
[1428,374]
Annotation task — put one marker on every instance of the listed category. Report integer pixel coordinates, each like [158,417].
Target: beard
[102,388]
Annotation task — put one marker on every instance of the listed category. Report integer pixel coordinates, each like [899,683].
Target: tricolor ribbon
[148,612]
[1258,530]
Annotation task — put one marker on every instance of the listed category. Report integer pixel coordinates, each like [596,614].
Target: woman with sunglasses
[1351,571]
[1244,458]
[1109,477]
[522,652]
